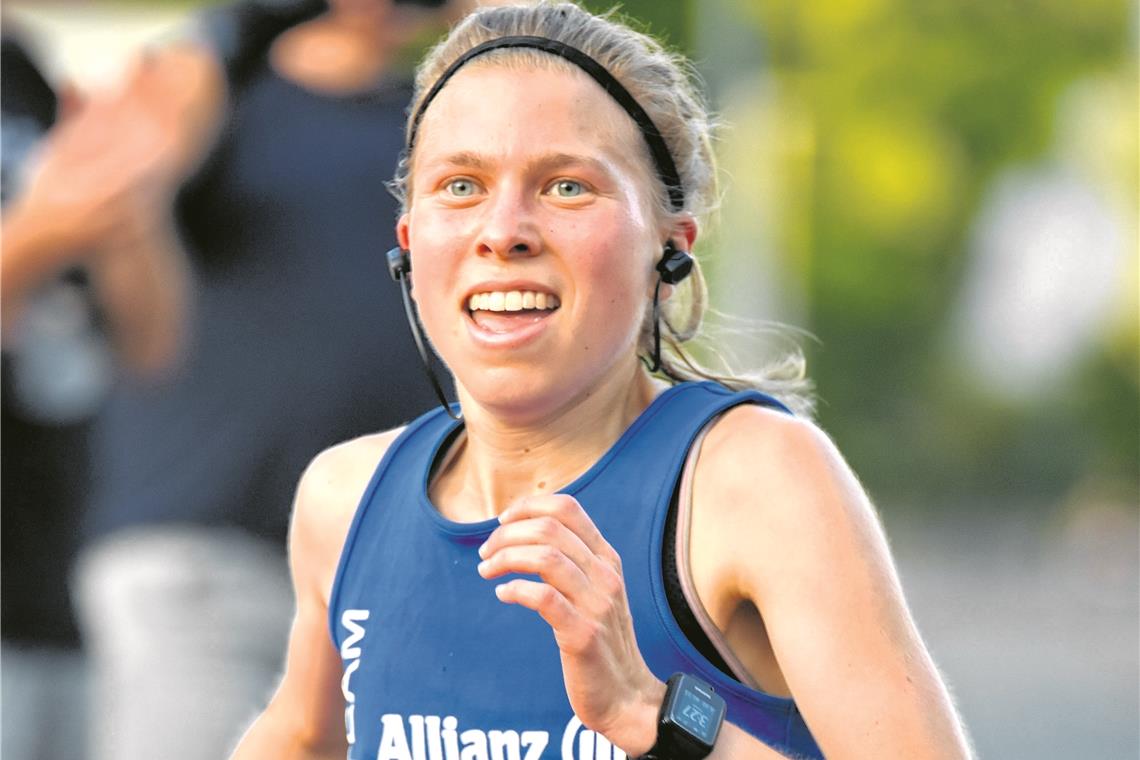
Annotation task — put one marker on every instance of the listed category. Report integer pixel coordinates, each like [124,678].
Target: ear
[402,234]
[683,233]
[403,238]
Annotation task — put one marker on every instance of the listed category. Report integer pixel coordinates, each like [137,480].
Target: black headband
[666,169]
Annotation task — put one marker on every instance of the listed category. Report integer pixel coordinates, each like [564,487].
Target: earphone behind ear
[674,265]
[399,263]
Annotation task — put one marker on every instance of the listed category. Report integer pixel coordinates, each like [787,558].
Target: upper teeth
[511,300]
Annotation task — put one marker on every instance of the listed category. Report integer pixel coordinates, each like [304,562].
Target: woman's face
[532,235]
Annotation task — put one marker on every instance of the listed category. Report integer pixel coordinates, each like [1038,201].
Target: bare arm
[305,718]
[801,541]
[143,280]
[102,195]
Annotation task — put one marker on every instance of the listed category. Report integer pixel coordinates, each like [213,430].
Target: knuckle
[565,506]
[609,581]
[547,528]
[614,560]
[548,555]
[546,596]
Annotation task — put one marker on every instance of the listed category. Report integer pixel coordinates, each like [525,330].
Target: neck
[503,459]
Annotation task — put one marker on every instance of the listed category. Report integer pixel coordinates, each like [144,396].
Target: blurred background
[943,197]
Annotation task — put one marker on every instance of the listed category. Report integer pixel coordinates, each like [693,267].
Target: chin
[516,393]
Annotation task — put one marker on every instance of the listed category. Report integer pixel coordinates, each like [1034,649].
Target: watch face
[698,711]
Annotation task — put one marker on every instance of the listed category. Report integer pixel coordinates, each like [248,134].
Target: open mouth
[502,311]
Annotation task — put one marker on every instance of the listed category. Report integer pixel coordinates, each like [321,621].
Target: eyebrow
[464,158]
[473,160]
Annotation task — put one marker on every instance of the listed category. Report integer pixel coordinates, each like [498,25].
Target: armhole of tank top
[688,588]
[362,507]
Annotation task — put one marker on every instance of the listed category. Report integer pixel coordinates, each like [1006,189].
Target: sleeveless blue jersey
[437,668]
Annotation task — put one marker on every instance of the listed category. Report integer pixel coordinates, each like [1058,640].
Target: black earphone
[399,263]
[674,265]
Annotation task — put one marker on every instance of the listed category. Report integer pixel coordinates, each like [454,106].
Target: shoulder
[781,490]
[334,481]
[327,497]
[344,469]
[804,545]
[766,450]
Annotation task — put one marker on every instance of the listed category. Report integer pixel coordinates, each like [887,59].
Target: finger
[543,598]
[566,510]
[573,633]
[540,530]
[542,560]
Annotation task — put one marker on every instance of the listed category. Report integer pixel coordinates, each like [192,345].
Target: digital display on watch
[691,717]
[697,715]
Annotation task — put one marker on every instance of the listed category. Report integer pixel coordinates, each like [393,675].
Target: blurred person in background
[249,162]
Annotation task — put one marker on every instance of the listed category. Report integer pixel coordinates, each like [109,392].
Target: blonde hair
[664,85]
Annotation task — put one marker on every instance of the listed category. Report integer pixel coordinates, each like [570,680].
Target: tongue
[505,321]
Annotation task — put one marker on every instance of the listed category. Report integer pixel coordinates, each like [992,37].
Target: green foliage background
[906,110]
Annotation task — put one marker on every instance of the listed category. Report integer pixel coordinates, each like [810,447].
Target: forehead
[511,109]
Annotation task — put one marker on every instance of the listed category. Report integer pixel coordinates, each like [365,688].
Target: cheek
[433,242]
[612,245]
[433,269]
[615,281]
[619,290]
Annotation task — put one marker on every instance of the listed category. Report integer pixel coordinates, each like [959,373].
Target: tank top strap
[660,439]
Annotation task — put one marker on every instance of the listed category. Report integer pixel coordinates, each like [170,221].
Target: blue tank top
[437,668]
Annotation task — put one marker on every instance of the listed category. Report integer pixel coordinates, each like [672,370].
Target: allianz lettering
[435,737]
[431,737]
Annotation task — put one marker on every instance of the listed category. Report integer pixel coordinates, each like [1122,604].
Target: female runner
[592,562]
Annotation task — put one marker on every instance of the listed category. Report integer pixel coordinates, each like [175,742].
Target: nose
[509,228]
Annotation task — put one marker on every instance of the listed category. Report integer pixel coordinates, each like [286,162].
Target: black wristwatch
[689,721]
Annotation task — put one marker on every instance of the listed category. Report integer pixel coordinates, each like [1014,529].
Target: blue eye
[567,188]
[461,188]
